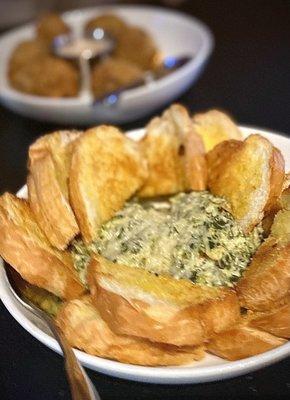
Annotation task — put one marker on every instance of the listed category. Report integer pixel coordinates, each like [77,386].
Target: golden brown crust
[25,248]
[48,228]
[249,175]
[215,127]
[129,40]
[49,26]
[49,163]
[266,282]
[111,23]
[175,154]
[242,341]
[26,53]
[280,228]
[86,330]
[107,168]
[276,322]
[276,222]
[134,302]
[112,74]
[136,45]
[285,199]
[47,76]
[277,178]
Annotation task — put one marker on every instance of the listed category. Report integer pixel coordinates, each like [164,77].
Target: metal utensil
[168,65]
[80,384]
[83,49]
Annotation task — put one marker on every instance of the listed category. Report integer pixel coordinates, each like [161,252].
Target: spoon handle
[85,77]
[80,384]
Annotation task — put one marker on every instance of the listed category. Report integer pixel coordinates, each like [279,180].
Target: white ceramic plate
[175,34]
[211,368]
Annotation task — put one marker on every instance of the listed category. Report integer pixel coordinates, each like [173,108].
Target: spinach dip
[191,236]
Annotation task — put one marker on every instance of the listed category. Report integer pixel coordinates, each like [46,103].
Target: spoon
[83,49]
[80,384]
[98,44]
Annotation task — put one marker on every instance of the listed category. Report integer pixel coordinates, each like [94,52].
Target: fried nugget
[109,22]
[25,53]
[112,74]
[137,46]
[49,26]
[46,76]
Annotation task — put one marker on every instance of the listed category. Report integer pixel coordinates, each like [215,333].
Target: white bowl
[211,368]
[175,34]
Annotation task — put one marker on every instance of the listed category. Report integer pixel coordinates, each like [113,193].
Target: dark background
[248,75]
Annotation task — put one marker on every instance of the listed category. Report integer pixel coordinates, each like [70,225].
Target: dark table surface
[248,75]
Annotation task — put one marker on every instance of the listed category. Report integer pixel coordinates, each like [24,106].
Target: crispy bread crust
[280,228]
[214,127]
[277,179]
[107,168]
[86,330]
[266,282]
[249,175]
[175,154]
[170,311]
[276,322]
[49,159]
[26,249]
[241,342]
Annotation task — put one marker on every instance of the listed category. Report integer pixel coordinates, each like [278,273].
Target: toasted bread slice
[160,308]
[175,155]
[266,282]
[280,212]
[49,163]
[84,329]
[26,248]
[214,127]
[285,199]
[280,228]
[249,175]
[276,322]
[241,342]
[107,168]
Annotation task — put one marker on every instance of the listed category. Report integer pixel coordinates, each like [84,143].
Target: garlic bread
[107,168]
[249,175]
[49,164]
[276,321]
[242,341]
[85,329]
[266,282]
[160,308]
[24,246]
[175,154]
[214,127]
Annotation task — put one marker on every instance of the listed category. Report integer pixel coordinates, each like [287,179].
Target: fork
[80,384]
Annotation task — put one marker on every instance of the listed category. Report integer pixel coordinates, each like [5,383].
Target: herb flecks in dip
[81,255]
[191,236]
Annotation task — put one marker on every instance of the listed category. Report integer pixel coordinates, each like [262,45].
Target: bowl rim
[207,38]
[163,375]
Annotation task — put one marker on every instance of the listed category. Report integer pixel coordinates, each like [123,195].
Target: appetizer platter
[54,45]
[163,254]
[42,74]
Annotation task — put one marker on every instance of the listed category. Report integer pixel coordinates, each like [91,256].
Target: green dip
[191,236]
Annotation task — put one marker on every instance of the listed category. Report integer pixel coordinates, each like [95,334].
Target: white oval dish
[175,34]
[211,368]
